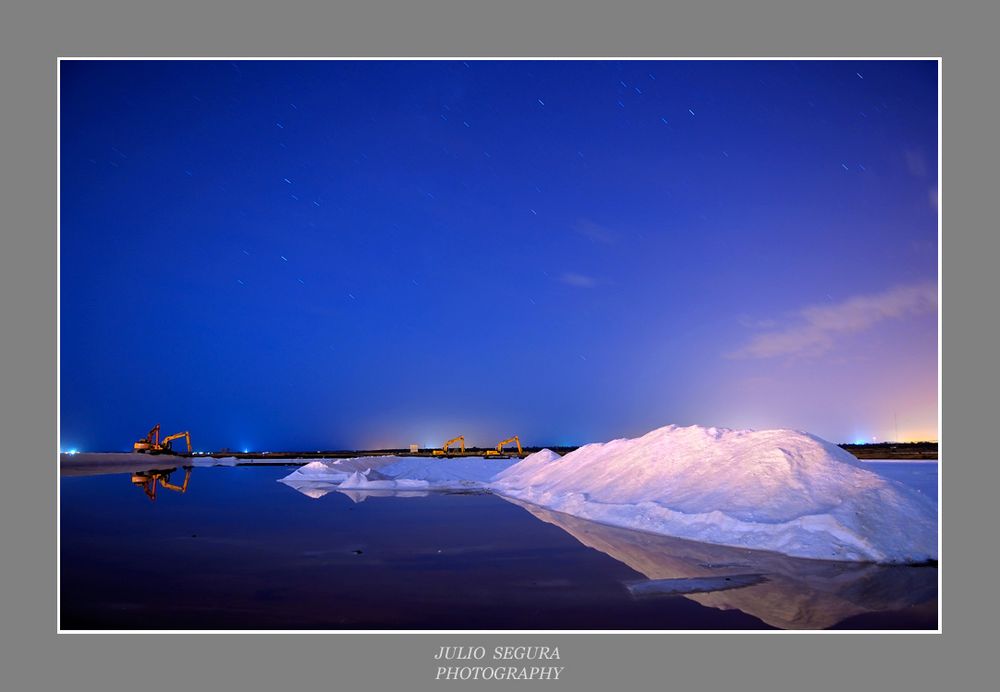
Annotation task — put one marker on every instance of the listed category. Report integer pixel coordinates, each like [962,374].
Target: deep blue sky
[289,254]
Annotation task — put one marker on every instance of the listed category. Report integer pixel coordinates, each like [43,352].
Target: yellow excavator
[147,480]
[498,452]
[152,444]
[444,448]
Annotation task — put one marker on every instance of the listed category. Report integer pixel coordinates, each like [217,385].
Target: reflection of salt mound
[778,490]
[212,461]
[312,489]
[782,591]
[314,492]
[359,496]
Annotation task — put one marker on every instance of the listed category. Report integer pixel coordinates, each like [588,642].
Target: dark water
[239,550]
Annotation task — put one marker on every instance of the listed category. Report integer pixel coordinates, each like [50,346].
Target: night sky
[341,254]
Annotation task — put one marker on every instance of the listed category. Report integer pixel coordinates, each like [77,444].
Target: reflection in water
[313,489]
[684,587]
[148,481]
[318,489]
[783,591]
[276,560]
[362,495]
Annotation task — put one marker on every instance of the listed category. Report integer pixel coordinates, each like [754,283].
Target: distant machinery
[152,444]
[498,452]
[444,448]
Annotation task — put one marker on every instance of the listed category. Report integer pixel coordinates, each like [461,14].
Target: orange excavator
[444,448]
[498,452]
[152,444]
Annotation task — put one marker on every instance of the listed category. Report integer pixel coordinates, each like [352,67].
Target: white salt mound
[337,470]
[780,490]
[435,473]
[373,480]
[449,473]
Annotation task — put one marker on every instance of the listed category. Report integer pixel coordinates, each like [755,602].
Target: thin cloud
[916,163]
[578,280]
[753,323]
[818,326]
[595,232]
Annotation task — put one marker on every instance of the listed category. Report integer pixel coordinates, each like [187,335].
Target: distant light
[72,451]
[246,451]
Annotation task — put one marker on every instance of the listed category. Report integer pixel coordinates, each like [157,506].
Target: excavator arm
[176,436]
[164,481]
[514,439]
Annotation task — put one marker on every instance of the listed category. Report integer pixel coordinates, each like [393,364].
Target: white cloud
[816,327]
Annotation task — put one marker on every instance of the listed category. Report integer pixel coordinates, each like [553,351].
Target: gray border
[34,657]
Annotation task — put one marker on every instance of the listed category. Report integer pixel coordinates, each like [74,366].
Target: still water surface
[238,550]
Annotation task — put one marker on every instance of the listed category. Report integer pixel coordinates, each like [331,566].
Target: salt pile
[400,473]
[338,470]
[780,490]
[373,480]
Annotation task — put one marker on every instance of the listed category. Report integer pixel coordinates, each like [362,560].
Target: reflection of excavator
[499,450]
[147,480]
[444,449]
[152,443]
